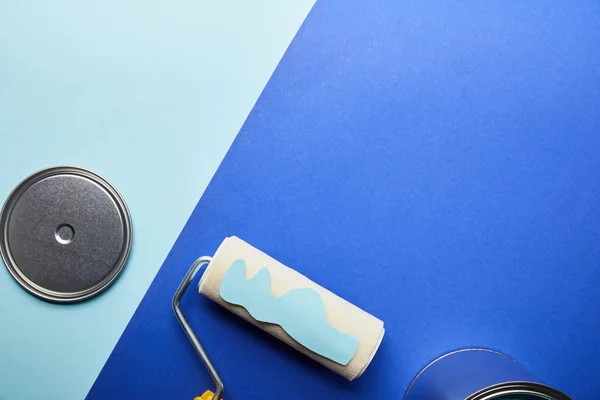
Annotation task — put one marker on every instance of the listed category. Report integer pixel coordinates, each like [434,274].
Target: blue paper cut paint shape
[300,312]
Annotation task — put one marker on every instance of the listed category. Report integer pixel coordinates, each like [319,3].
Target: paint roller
[287,305]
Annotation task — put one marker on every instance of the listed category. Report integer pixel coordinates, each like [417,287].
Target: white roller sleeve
[342,315]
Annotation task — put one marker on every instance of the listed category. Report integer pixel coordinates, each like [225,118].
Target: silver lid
[65,234]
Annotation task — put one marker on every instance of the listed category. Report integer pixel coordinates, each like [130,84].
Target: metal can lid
[65,234]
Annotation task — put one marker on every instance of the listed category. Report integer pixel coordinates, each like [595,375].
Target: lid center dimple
[64,234]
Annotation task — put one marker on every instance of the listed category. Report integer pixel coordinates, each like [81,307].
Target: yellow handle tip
[208,395]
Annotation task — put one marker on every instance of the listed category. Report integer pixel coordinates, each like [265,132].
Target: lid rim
[48,294]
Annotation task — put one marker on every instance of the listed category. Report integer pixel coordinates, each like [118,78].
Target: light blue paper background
[148,94]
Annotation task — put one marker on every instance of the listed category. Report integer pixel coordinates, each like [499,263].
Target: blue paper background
[435,163]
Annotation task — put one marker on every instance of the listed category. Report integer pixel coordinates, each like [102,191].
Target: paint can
[479,374]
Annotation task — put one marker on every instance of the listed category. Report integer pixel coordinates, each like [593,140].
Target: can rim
[508,388]
[12,266]
[490,392]
[422,371]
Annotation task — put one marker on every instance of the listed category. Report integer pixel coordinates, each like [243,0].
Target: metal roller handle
[188,329]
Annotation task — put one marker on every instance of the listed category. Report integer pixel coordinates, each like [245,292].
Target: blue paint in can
[479,374]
